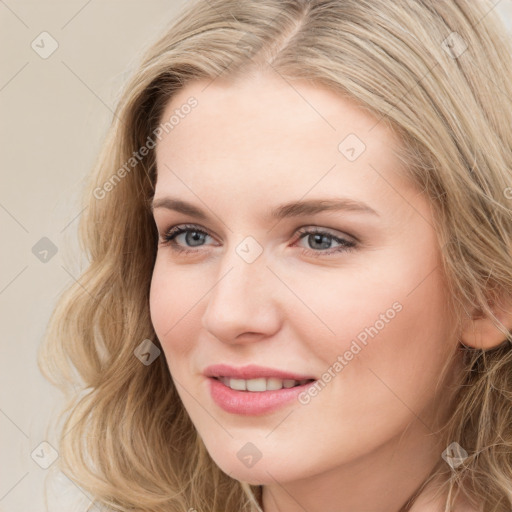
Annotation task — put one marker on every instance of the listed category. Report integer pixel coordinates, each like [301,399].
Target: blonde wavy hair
[127,439]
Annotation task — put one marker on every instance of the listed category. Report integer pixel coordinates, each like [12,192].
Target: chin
[252,476]
[262,472]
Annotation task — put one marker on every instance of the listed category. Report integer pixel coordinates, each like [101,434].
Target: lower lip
[249,403]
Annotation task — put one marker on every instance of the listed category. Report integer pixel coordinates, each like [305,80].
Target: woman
[227,361]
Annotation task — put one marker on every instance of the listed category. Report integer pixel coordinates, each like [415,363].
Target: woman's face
[361,308]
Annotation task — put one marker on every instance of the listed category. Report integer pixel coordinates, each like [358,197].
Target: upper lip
[251,371]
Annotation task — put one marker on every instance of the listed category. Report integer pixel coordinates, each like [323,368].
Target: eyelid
[329,231]
[318,227]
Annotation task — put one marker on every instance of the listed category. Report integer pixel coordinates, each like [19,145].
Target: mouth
[254,390]
[256,396]
[261,384]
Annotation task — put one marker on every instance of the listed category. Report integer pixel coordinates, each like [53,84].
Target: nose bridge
[240,300]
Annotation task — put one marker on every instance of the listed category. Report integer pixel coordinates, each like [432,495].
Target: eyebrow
[292,209]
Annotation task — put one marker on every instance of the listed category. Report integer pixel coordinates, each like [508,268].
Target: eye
[318,236]
[193,235]
[318,240]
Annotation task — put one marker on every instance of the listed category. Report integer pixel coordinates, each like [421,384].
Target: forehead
[271,105]
[259,132]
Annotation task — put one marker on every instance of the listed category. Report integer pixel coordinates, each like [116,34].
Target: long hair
[433,71]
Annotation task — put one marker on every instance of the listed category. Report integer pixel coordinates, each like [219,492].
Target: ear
[480,331]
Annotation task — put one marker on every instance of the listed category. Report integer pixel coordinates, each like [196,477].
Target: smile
[255,396]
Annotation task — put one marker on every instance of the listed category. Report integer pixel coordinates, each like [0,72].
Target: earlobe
[481,332]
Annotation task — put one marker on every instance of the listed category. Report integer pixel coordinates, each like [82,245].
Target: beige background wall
[53,115]
[54,112]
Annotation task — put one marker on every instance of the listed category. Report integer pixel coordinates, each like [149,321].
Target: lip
[252,371]
[251,403]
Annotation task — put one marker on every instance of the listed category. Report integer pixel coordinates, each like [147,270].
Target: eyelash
[168,239]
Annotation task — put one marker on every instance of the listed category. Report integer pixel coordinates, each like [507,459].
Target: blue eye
[318,236]
[194,237]
[169,238]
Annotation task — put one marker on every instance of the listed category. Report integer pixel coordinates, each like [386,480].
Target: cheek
[393,357]
[159,306]
[172,300]
[389,320]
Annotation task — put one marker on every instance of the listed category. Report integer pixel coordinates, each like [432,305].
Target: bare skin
[365,442]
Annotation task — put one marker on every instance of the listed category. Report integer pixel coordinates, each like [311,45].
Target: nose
[242,305]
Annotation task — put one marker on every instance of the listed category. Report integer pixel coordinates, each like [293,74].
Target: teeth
[260,384]
[257,384]
[238,384]
[274,384]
